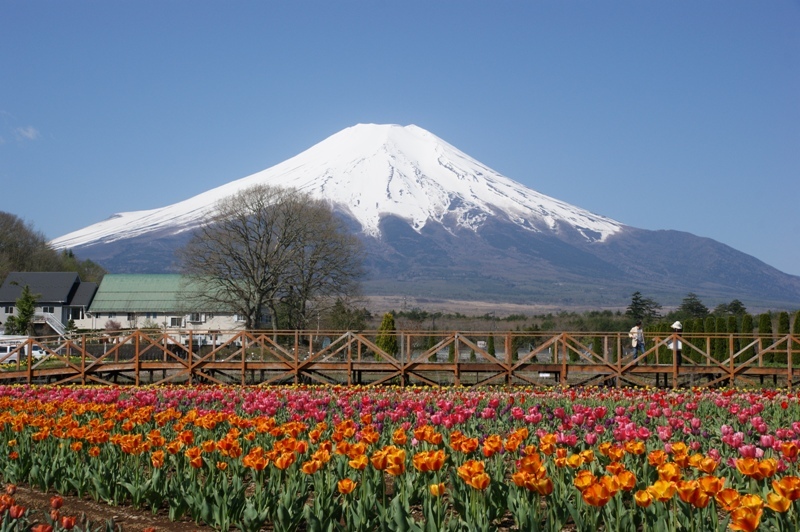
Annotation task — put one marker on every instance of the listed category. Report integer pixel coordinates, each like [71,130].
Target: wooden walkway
[424,358]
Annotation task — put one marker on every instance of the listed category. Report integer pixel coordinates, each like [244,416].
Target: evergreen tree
[699,328]
[710,329]
[688,329]
[692,308]
[765,335]
[643,308]
[431,342]
[22,322]
[733,327]
[490,345]
[737,308]
[387,336]
[721,341]
[451,352]
[783,330]
[597,346]
[747,336]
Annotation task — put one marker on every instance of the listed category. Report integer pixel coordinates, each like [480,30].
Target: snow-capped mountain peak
[371,171]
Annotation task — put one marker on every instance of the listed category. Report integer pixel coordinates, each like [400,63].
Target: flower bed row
[350,458]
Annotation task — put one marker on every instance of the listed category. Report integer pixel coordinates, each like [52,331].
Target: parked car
[6,358]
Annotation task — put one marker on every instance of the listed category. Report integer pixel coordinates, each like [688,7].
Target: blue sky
[662,115]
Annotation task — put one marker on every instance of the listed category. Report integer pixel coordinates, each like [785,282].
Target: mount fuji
[437,223]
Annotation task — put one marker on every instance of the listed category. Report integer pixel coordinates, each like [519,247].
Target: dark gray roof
[84,295]
[50,287]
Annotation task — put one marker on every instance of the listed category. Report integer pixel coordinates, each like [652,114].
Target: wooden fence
[423,358]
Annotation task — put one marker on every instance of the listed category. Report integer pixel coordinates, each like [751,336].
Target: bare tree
[273,250]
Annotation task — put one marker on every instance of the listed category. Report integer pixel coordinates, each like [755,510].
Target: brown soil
[128,518]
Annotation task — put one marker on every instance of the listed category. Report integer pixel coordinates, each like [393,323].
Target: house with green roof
[165,301]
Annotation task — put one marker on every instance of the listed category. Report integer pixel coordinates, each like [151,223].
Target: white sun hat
[677,325]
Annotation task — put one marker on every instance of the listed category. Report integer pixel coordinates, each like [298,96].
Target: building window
[196,317]
[176,322]
[151,315]
[48,310]
[112,315]
[76,313]
[238,317]
[131,316]
[9,310]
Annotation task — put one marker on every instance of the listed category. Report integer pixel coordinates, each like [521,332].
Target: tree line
[24,249]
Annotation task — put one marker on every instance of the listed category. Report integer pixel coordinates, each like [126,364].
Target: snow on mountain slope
[369,171]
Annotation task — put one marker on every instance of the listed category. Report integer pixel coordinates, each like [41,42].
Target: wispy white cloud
[27,133]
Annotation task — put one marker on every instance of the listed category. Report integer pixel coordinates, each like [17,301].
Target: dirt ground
[128,518]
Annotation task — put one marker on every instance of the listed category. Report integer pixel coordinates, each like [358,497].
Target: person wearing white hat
[677,328]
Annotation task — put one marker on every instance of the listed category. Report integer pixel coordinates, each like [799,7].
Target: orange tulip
[437,490]
[662,490]
[790,450]
[346,486]
[359,462]
[574,461]
[584,479]
[426,461]
[711,485]
[186,437]
[543,486]
[615,453]
[532,463]
[157,459]
[16,511]
[284,460]
[643,498]
[311,466]
[626,480]
[635,447]
[479,481]
[727,499]
[396,464]
[255,459]
[491,445]
[195,456]
[670,472]
[656,458]
[707,465]
[689,491]
[788,487]
[588,456]
[745,519]
[596,494]
[778,503]
[399,436]
[68,522]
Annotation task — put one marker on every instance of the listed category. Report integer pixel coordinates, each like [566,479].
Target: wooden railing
[422,358]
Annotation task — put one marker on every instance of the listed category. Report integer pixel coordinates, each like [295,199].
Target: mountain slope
[369,171]
[437,223]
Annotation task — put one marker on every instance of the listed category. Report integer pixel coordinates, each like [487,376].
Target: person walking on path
[636,335]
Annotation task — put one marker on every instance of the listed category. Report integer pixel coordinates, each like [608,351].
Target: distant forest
[24,249]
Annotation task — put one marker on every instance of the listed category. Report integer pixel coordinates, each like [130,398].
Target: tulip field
[326,458]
